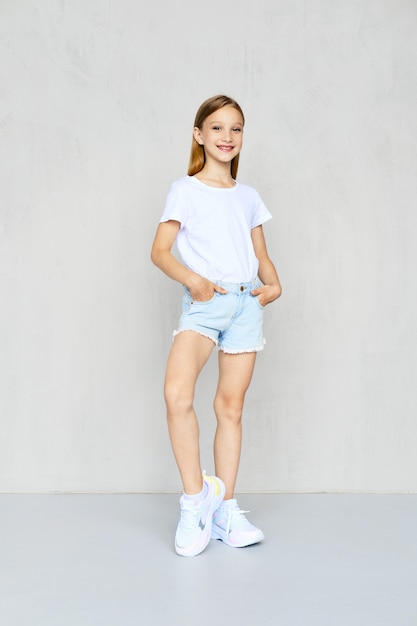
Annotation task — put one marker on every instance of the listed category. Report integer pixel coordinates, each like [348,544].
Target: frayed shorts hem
[241,351]
[224,349]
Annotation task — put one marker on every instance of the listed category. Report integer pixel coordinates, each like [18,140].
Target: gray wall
[97,104]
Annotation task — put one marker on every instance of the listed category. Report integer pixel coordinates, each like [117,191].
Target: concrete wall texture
[97,103]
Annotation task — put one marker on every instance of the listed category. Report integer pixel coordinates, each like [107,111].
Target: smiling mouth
[226,148]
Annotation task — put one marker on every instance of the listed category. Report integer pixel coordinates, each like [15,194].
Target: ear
[197,136]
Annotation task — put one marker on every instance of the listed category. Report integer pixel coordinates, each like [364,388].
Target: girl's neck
[216,177]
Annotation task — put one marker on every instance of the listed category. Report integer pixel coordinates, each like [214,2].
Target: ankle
[196,497]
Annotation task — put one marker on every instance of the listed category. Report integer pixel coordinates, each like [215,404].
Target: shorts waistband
[238,287]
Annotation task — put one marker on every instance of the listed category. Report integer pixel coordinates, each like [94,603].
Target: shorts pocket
[204,302]
[260,306]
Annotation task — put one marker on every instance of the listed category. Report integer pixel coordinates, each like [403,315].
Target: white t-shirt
[214,239]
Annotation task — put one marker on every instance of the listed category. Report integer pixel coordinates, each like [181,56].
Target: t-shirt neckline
[199,182]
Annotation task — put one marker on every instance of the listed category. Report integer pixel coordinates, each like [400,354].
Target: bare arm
[271,289]
[200,288]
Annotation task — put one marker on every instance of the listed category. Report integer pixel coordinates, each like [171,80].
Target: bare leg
[235,374]
[188,355]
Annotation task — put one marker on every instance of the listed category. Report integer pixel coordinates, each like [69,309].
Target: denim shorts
[232,320]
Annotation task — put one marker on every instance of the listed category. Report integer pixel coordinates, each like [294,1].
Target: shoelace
[190,517]
[234,515]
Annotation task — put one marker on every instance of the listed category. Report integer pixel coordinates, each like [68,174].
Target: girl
[217,224]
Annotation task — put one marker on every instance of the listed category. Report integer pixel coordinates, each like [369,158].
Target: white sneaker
[194,528]
[231,526]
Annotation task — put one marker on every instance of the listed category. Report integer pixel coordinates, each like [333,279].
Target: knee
[177,400]
[228,409]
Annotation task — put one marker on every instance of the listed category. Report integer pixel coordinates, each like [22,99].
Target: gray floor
[108,560]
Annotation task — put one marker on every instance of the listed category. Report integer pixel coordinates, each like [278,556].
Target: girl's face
[221,134]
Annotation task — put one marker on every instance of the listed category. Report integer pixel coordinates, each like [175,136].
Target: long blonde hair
[197,156]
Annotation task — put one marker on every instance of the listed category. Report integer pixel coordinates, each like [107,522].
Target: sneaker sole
[218,533]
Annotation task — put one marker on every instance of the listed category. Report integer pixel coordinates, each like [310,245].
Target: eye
[237,130]
[216,127]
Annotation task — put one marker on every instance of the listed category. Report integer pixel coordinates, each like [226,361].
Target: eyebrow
[221,122]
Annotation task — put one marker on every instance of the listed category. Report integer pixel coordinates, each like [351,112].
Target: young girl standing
[228,279]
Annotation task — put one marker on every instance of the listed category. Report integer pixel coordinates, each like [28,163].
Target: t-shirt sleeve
[260,213]
[175,208]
